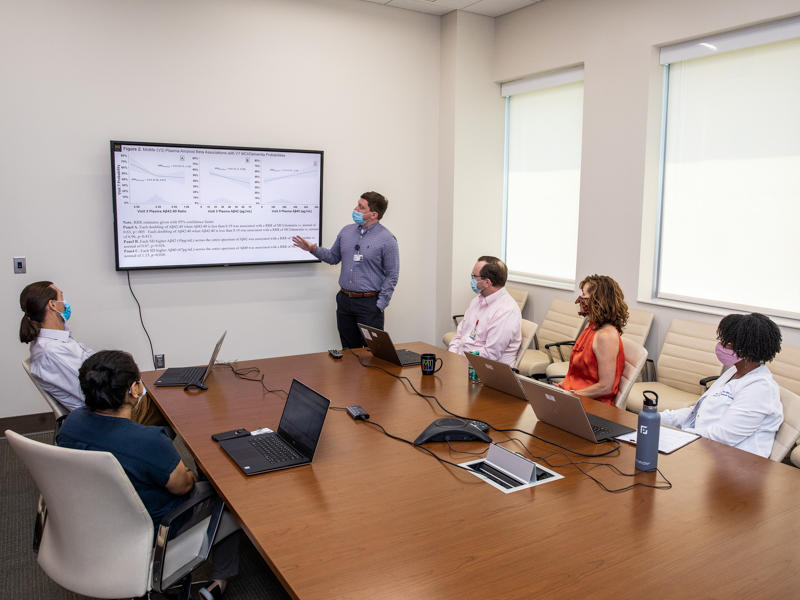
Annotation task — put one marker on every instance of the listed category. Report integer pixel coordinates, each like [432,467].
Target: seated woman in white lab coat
[742,408]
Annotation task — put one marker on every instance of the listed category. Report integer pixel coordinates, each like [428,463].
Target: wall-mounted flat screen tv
[184,205]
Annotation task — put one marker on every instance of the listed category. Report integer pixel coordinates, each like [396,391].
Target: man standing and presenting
[370,268]
[492,325]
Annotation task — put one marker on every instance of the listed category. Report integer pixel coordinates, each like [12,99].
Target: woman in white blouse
[742,408]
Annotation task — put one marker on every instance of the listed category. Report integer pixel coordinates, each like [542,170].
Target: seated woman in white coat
[742,408]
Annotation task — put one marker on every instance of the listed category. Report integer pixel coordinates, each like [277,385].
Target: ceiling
[489,8]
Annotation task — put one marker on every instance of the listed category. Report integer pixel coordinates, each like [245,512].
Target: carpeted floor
[23,579]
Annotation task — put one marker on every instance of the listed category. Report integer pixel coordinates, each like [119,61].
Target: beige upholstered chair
[519,296]
[562,323]
[98,537]
[635,358]
[789,431]
[60,411]
[687,356]
[528,331]
[786,372]
[636,330]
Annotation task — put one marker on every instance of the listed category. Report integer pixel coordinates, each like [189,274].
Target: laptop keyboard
[600,431]
[273,449]
[194,374]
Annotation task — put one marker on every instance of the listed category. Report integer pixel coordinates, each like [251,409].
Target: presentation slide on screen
[189,206]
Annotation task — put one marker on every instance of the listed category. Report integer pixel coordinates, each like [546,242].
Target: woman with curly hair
[743,407]
[598,357]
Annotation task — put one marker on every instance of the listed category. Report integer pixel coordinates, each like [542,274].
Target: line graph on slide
[137,169]
[308,172]
[158,181]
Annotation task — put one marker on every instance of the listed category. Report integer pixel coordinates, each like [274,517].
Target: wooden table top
[376,518]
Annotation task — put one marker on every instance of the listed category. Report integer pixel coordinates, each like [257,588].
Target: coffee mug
[429,362]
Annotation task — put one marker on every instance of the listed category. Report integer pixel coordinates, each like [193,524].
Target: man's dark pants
[350,312]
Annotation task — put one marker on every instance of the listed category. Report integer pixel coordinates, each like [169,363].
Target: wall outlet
[160,362]
[19,264]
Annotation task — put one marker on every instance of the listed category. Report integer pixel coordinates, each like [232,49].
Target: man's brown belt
[359,294]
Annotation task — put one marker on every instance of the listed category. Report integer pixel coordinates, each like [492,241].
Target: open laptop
[295,441]
[497,375]
[564,410]
[190,375]
[380,344]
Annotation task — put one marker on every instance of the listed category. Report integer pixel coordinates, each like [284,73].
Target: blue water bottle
[647,434]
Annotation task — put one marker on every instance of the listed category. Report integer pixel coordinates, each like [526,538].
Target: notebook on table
[564,410]
[295,441]
[190,375]
[381,346]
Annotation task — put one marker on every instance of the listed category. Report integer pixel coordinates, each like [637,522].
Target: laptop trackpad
[243,454]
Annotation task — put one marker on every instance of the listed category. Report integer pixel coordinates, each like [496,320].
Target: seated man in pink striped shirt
[492,326]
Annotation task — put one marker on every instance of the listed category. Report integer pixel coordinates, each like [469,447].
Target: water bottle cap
[648,401]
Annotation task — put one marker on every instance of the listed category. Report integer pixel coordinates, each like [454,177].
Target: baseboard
[28,424]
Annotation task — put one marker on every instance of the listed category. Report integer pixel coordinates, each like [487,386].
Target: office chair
[687,363]
[561,325]
[519,296]
[528,332]
[789,431]
[60,411]
[97,537]
[637,329]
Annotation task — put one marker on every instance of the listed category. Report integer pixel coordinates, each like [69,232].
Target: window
[730,197]
[544,125]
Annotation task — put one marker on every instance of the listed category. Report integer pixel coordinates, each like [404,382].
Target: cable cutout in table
[545,460]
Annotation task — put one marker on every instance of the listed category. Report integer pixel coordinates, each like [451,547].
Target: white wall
[355,79]
[471,159]
[616,41]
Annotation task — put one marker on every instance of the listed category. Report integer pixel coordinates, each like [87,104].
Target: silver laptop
[190,376]
[380,344]
[564,410]
[497,375]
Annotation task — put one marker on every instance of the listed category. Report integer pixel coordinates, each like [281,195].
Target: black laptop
[380,344]
[190,375]
[295,441]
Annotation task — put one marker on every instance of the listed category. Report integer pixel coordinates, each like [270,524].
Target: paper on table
[669,439]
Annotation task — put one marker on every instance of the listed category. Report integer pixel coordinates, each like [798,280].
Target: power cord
[246,372]
[427,397]
[545,460]
[616,443]
[141,320]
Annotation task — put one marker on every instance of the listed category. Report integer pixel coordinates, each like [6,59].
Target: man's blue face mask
[474,286]
[358,218]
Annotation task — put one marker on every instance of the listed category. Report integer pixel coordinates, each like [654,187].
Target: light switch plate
[19,264]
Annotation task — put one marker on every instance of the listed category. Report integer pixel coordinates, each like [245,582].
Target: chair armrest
[558,347]
[554,377]
[706,380]
[456,317]
[515,370]
[215,508]
[650,371]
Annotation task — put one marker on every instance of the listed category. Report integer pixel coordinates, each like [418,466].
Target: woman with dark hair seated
[743,407]
[598,357]
[112,388]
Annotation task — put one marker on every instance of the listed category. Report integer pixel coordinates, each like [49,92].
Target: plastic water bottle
[473,376]
[647,434]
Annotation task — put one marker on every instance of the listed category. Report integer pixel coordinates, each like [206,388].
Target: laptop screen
[303,417]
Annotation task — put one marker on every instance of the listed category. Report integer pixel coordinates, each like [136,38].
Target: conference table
[376,518]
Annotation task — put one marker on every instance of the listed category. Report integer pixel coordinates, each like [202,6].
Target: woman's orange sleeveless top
[583,370]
